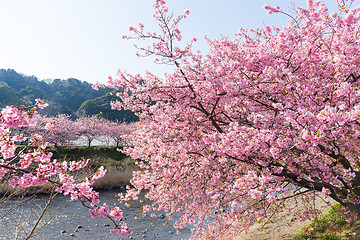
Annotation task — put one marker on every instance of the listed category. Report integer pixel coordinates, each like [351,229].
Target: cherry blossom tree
[90,127]
[116,131]
[63,129]
[225,138]
[32,165]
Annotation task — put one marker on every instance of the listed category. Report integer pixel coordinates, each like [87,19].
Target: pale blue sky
[83,38]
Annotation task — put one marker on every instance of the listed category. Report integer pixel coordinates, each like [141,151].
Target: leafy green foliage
[72,92]
[32,93]
[326,226]
[100,106]
[8,96]
[18,81]
[98,155]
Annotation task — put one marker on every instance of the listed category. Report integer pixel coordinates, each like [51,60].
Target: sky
[82,39]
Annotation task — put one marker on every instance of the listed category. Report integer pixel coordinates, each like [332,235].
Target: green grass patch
[107,156]
[332,225]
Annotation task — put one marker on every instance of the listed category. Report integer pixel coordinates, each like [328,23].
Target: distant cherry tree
[63,130]
[116,131]
[90,127]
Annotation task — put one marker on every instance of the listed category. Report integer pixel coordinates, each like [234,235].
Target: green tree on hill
[101,107]
[8,96]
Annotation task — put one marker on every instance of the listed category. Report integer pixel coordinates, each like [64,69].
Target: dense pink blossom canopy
[272,113]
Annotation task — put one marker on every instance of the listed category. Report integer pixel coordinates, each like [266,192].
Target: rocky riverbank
[67,220]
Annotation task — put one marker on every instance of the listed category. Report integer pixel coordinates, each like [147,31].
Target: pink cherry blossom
[40,103]
[100,211]
[326,191]
[225,133]
[117,213]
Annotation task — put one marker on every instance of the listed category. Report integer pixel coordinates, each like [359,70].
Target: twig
[33,230]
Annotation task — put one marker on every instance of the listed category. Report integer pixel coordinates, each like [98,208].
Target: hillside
[72,93]
[63,96]
[101,107]
[72,96]
[8,96]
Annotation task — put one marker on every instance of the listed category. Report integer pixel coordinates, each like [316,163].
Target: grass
[332,225]
[106,156]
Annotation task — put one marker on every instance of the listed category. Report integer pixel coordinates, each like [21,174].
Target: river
[70,220]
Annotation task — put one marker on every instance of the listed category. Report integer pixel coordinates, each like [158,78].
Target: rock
[79,226]
[71,234]
[63,231]
[161,216]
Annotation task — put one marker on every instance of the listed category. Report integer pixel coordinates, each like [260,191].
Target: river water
[67,219]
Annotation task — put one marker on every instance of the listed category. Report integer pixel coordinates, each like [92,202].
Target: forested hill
[63,96]
[100,107]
